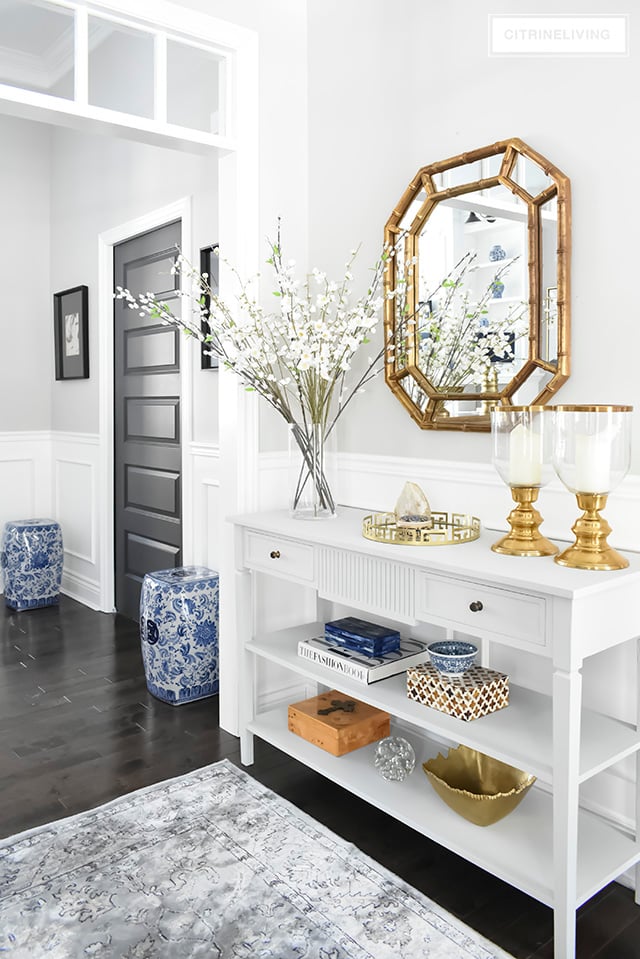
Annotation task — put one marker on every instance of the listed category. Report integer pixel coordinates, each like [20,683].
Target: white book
[364,669]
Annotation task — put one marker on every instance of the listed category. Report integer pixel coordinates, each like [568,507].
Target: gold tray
[447,529]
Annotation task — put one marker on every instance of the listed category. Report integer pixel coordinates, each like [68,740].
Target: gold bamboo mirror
[477,284]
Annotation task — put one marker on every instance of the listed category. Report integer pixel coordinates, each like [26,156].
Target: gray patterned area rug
[215,865]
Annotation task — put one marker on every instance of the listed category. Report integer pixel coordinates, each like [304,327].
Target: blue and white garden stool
[179,633]
[31,560]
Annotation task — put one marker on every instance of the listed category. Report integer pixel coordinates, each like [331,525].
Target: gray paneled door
[148,528]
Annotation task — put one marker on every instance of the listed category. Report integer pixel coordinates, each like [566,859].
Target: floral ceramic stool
[179,633]
[31,560]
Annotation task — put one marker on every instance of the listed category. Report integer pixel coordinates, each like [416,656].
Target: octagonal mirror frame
[537,377]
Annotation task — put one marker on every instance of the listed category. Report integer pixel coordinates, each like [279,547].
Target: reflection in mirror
[549,282]
[531,176]
[472,289]
[477,289]
[527,393]
[549,331]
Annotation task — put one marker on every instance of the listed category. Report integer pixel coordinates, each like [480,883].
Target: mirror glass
[476,308]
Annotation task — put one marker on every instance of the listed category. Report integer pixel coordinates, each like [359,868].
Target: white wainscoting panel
[25,476]
[205,494]
[75,458]
[375,482]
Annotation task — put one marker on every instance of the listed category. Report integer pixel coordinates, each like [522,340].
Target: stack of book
[361,636]
[358,666]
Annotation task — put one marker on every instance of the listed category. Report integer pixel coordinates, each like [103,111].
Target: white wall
[281,26]
[99,183]
[412,83]
[26,320]
[284,183]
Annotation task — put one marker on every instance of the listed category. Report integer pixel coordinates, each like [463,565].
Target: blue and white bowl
[451,657]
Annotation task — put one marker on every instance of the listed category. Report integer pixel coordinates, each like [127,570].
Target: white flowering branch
[456,342]
[297,357]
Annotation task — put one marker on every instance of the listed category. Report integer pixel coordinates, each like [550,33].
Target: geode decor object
[412,509]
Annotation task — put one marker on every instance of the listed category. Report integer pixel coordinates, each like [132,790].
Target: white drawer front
[371,584]
[482,609]
[280,557]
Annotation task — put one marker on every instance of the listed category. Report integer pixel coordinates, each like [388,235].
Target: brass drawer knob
[475,607]
[275,554]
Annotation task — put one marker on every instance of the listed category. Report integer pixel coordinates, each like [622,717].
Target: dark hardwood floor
[78,728]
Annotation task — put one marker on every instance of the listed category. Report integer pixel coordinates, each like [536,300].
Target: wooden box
[475,693]
[338,732]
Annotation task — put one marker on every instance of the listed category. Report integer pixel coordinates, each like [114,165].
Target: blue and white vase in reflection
[497,289]
[497,253]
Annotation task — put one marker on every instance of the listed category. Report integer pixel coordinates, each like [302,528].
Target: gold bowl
[477,787]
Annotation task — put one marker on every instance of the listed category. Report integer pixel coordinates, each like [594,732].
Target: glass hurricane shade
[592,446]
[522,445]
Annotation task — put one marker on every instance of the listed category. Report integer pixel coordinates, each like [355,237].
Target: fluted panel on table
[367,583]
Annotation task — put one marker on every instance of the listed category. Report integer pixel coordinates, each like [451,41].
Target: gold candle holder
[522,457]
[591,550]
[592,454]
[524,538]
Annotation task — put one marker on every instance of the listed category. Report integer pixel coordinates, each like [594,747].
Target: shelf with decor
[522,738]
[494,264]
[549,846]
[502,300]
[518,849]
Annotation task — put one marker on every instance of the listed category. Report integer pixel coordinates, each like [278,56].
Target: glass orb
[592,446]
[522,445]
[395,758]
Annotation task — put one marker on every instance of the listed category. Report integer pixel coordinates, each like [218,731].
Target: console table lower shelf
[518,849]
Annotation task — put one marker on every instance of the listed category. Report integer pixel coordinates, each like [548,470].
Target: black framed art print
[71,333]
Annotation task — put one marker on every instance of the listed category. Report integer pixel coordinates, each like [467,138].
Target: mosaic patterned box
[475,693]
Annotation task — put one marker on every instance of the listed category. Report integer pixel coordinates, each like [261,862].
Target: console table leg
[567,700]
[246,748]
[246,682]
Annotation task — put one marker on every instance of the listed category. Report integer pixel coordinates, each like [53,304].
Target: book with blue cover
[361,636]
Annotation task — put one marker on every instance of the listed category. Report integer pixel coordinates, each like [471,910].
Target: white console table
[549,847]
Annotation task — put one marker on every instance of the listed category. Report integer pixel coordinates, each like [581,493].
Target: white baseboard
[84,590]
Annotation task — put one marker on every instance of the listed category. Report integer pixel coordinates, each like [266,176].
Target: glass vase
[312,496]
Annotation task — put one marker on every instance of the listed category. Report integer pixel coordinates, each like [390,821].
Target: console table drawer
[280,557]
[482,609]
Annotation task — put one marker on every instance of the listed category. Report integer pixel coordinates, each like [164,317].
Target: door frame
[179,210]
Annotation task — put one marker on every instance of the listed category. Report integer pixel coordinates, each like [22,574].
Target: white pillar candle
[593,463]
[525,456]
